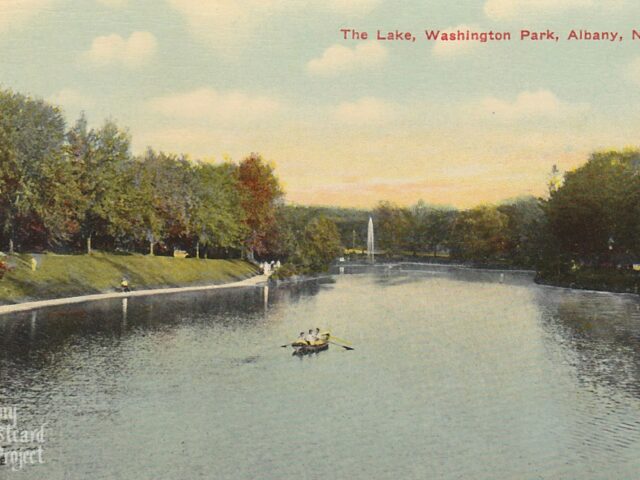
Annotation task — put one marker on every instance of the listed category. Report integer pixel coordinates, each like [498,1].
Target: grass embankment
[60,276]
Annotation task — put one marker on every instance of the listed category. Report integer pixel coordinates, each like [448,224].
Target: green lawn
[68,275]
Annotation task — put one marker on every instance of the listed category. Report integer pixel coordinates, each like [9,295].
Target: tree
[525,231]
[217,217]
[101,161]
[164,197]
[261,193]
[81,145]
[479,234]
[319,246]
[34,178]
[595,215]
[417,228]
[440,221]
[392,226]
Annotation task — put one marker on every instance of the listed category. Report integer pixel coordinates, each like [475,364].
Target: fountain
[370,242]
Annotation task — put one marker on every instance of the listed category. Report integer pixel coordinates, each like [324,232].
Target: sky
[346,122]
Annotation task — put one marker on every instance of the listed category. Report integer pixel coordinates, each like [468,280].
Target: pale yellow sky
[346,122]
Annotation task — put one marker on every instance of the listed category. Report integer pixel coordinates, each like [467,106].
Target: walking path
[21,307]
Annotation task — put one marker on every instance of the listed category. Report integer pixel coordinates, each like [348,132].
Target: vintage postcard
[355,239]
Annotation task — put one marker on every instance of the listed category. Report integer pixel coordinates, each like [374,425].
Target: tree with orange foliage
[261,193]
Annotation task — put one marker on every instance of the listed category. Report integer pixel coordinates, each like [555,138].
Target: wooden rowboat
[305,349]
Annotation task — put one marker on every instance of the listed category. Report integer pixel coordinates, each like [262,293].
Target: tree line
[509,233]
[81,188]
[589,219]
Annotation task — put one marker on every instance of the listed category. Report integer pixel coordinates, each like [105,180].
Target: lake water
[456,374]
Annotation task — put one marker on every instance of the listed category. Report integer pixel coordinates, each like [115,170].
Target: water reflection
[125,304]
[407,273]
[599,335]
[38,339]
[33,338]
[466,373]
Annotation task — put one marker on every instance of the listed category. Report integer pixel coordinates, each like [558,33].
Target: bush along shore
[58,276]
[609,280]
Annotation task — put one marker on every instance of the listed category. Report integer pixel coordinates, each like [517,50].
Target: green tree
[319,245]
[101,161]
[391,227]
[36,192]
[164,197]
[525,231]
[417,227]
[217,216]
[81,144]
[440,221]
[479,234]
[594,216]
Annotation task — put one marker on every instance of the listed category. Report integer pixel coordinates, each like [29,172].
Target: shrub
[4,268]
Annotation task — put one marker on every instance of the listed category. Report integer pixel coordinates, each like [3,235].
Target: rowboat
[300,348]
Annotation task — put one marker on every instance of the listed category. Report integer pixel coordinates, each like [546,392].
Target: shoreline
[536,280]
[461,266]
[26,306]
[627,290]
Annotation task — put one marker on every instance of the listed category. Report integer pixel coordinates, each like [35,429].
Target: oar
[343,346]
[341,340]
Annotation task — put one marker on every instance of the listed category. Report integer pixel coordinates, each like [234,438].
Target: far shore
[447,264]
[26,306]
[603,281]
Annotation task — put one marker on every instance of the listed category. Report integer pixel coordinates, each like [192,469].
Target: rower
[300,338]
[310,337]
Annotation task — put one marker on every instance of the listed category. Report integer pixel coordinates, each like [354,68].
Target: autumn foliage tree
[261,194]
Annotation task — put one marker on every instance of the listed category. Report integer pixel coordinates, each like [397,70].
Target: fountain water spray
[370,242]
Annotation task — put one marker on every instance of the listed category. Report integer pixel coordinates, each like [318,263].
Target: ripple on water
[455,374]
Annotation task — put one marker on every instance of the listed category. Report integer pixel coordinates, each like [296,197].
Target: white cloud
[454,47]
[114,3]
[229,24]
[365,111]
[511,9]
[71,99]
[209,104]
[16,12]
[115,50]
[528,104]
[339,58]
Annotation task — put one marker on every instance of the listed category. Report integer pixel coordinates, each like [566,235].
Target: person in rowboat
[310,337]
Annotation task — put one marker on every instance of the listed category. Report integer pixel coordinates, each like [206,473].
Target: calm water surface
[456,374]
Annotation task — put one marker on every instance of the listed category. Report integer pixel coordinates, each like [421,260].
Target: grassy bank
[607,280]
[69,275]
